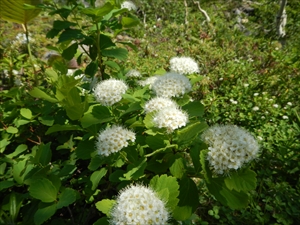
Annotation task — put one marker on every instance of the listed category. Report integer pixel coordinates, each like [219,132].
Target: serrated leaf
[194,109]
[95,114]
[37,93]
[187,134]
[128,22]
[70,34]
[98,13]
[135,170]
[155,142]
[43,189]
[205,166]
[105,42]
[97,176]
[67,197]
[112,64]
[44,212]
[118,53]
[158,183]
[14,11]
[26,113]
[70,52]
[105,206]
[241,180]
[177,169]
[60,25]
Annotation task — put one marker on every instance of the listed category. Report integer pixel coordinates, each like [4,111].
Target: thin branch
[281,19]
[202,11]
[186,12]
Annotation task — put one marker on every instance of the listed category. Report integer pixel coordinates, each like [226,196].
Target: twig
[281,19]
[202,11]
[186,12]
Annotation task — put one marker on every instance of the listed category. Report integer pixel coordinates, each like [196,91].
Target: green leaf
[96,114]
[43,189]
[21,148]
[46,120]
[26,113]
[135,170]
[98,13]
[205,166]
[105,206]
[84,149]
[12,130]
[241,180]
[182,213]
[60,25]
[91,69]
[96,162]
[195,155]
[155,142]
[194,109]
[3,144]
[37,93]
[189,194]
[70,34]
[67,197]
[177,169]
[6,184]
[118,53]
[128,22]
[231,198]
[18,168]
[69,52]
[112,64]
[14,11]
[159,183]
[102,221]
[43,154]
[97,176]
[44,212]
[105,42]
[58,127]
[187,134]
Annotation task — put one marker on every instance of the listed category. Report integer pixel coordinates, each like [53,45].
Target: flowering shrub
[184,65]
[84,147]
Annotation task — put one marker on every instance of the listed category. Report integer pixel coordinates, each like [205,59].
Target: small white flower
[171,85]
[221,78]
[270,100]
[137,204]
[230,147]
[289,103]
[149,81]
[109,92]
[256,94]
[158,103]
[285,117]
[129,5]
[255,108]
[259,138]
[184,65]
[170,118]
[113,139]
[275,106]
[246,85]
[263,117]
[133,73]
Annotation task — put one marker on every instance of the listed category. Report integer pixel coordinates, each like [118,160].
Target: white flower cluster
[184,65]
[129,5]
[171,85]
[170,118]
[158,103]
[149,81]
[139,205]
[133,73]
[113,139]
[110,91]
[229,147]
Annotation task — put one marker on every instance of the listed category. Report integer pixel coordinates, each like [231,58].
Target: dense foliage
[98,108]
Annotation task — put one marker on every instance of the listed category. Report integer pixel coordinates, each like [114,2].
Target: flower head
[133,73]
[149,81]
[170,118]
[184,65]
[113,139]
[108,92]
[171,85]
[158,103]
[230,147]
[138,205]
[129,5]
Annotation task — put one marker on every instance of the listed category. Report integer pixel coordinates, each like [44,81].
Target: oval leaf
[43,189]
